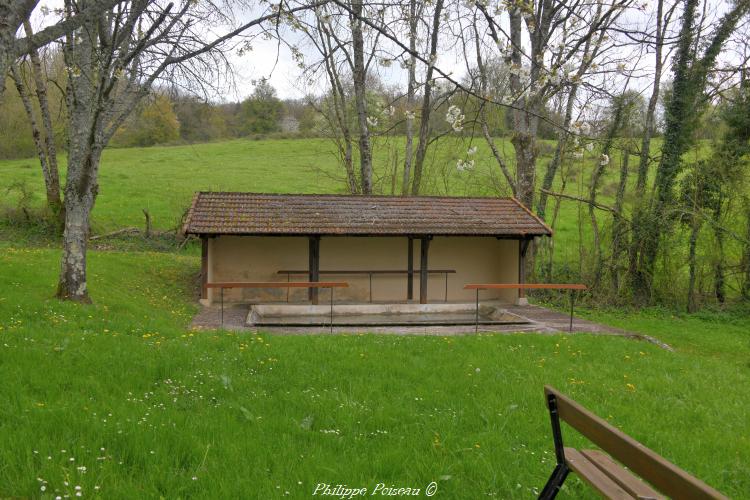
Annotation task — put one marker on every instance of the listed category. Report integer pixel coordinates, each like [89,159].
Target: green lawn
[144,408]
[122,400]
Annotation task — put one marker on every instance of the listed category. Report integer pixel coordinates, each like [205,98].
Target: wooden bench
[603,473]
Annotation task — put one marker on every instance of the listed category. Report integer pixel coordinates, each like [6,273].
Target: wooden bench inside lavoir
[603,471]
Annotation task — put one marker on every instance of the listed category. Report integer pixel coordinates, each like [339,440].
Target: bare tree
[424,119]
[411,89]
[13,15]
[113,61]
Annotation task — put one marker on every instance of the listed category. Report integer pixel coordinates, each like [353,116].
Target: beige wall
[257,258]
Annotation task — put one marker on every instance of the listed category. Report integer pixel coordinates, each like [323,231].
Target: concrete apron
[394,314]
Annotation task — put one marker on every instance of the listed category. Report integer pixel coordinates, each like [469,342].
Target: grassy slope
[163,179]
[258,415]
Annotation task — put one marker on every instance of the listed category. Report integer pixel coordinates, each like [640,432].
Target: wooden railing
[370,273]
[277,284]
[573,287]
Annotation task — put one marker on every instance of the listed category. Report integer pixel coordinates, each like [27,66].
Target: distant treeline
[172,117]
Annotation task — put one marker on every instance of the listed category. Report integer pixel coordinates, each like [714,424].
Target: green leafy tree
[261,112]
[157,123]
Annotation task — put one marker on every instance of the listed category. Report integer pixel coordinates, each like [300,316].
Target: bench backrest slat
[665,476]
[278,284]
[525,286]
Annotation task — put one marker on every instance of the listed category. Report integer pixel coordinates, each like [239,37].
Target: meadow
[120,399]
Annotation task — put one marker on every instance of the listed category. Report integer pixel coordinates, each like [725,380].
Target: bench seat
[607,476]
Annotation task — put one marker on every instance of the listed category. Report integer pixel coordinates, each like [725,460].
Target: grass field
[145,406]
[122,400]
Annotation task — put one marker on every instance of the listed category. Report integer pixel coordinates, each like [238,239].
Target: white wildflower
[604,160]
[590,147]
[372,121]
[471,151]
[462,165]
[409,115]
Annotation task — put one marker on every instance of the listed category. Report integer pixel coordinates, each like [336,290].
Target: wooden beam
[314,266]
[424,248]
[523,245]
[204,267]
[410,270]
[278,284]
[528,286]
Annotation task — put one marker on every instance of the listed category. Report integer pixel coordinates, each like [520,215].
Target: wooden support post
[523,246]
[314,266]
[424,248]
[204,267]
[410,271]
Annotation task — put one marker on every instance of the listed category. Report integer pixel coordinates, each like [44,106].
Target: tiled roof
[297,214]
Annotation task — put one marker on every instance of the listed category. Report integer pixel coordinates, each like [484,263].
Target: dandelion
[604,160]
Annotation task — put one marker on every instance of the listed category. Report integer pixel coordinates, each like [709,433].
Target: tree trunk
[619,226]
[52,177]
[52,188]
[80,194]
[359,77]
[719,275]
[692,304]
[410,97]
[549,175]
[12,14]
[72,284]
[424,123]
[596,176]
[746,252]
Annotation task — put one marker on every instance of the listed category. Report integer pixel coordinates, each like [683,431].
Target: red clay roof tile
[215,213]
